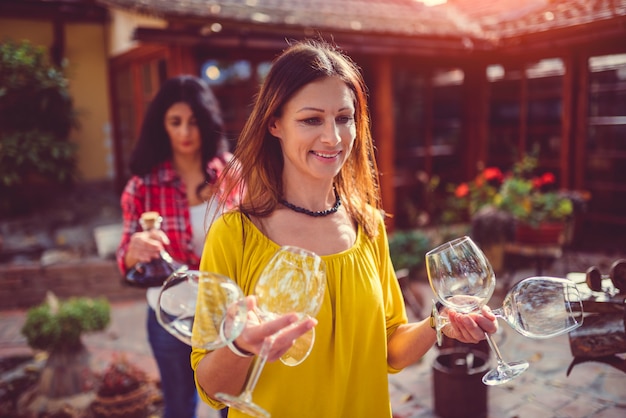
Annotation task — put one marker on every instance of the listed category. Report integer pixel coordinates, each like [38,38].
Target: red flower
[537,182]
[462,190]
[492,173]
[548,178]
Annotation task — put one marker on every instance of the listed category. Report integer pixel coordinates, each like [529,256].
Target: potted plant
[56,327]
[539,209]
[123,391]
[524,201]
[477,201]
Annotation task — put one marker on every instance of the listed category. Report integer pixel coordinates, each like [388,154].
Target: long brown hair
[259,155]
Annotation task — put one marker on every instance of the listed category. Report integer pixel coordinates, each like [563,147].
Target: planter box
[545,233]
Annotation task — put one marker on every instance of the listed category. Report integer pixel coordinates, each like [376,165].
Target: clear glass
[462,279]
[293,281]
[220,320]
[537,307]
[542,307]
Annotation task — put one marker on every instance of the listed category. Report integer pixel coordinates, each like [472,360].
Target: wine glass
[221,317]
[538,307]
[294,280]
[542,307]
[462,279]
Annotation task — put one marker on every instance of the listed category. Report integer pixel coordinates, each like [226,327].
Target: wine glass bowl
[542,307]
[221,318]
[464,279]
[293,281]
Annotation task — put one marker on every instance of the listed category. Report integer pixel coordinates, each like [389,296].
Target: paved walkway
[544,391]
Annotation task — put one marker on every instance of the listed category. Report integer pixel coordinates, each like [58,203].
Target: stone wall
[54,248]
[25,285]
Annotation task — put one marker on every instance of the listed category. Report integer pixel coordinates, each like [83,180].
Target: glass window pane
[217,72]
[605,150]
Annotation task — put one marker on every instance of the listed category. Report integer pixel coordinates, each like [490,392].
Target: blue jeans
[180,397]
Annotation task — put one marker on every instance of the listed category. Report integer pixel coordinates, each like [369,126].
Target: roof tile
[487,19]
[400,17]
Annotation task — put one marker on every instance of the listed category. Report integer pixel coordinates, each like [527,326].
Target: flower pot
[67,372]
[133,404]
[543,234]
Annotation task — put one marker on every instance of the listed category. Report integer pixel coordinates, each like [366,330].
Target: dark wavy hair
[153,146]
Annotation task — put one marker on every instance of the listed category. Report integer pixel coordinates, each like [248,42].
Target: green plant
[470,197]
[21,152]
[407,249]
[525,194]
[533,198]
[56,325]
[36,117]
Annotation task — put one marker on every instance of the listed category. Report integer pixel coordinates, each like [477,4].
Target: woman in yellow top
[307,159]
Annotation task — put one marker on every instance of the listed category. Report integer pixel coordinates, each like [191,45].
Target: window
[525,111]
[234,82]
[605,148]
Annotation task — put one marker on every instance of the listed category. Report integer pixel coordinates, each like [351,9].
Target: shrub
[407,249]
[58,324]
[36,116]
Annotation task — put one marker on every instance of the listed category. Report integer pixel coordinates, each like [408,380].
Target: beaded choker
[310,212]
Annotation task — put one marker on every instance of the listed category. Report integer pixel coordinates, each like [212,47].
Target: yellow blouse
[346,373]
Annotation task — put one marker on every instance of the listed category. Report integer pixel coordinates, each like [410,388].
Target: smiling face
[182,128]
[316,130]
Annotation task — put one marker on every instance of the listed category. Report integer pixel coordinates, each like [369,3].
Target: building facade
[453,88]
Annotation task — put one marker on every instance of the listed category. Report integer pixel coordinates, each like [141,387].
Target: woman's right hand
[145,246]
[223,371]
[284,329]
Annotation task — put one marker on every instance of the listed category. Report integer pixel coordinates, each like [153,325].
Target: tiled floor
[545,391]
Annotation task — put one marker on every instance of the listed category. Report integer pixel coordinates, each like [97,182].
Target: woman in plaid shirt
[175,164]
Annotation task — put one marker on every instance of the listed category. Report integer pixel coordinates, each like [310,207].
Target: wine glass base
[505,373]
[243,405]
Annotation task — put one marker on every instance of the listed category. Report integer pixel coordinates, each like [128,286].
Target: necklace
[310,212]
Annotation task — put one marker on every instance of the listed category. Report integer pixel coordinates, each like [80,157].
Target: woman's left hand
[471,327]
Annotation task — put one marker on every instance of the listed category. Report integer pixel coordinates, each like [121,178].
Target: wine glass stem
[501,363]
[257,367]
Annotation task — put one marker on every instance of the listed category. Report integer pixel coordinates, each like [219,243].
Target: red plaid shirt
[163,191]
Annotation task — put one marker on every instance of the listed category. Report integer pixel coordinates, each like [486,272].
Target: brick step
[25,285]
